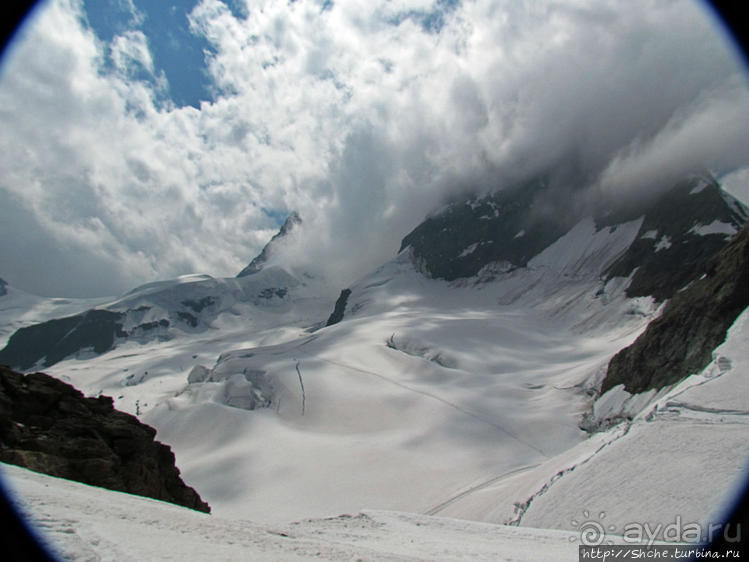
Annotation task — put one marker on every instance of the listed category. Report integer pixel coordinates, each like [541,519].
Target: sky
[144,140]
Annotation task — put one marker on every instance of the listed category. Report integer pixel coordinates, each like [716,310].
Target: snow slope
[85,523]
[683,456]
[681,461]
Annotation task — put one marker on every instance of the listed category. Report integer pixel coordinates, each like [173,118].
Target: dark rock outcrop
[693,323]
[669,250]
[506,226]
[96,330]
[682,229]
[3,287]
[291,222]
[54,340]
[48,426]
[270,293]
[339,308]
[197,305]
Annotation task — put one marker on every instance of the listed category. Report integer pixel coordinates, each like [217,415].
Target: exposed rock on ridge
[340,307]
[467,235]
[291,222]
[96,330]
[694,322]
[156,311]
[48,426]
[680,232]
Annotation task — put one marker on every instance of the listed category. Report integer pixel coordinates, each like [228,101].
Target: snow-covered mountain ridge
[678,233]
[19,309]
[259,261]
[164,310]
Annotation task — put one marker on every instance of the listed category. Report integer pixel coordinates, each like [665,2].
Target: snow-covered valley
[678,462]
[428,400]
[426,389]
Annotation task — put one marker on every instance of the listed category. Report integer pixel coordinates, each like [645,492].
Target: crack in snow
[522,507]
[301,383]
[682,411]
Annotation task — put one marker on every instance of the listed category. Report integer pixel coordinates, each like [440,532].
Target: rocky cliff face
[694,322]
[48,426]
[680,231]
[467,235]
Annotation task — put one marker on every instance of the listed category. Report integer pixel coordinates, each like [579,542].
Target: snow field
[87,523]
[460,400]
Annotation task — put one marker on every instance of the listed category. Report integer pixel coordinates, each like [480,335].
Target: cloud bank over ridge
[362,116]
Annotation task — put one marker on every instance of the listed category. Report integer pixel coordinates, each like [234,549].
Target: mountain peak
[291,222]
[505,226]
[680,230]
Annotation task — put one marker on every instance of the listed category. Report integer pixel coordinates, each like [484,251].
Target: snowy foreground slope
[85,523]
[632,479]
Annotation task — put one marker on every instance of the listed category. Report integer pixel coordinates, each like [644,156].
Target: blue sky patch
[176,51]
[278,216]
[431,21]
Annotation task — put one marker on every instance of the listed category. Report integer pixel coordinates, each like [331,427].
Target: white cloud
[737,184]
[359,116]
[129,49]
[712,132]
